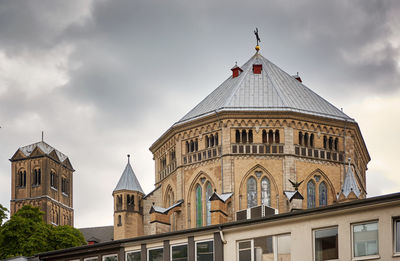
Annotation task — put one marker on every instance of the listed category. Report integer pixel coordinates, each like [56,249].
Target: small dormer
[236,70]
[257,68]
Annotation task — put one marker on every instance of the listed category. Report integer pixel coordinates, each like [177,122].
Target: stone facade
[40,179]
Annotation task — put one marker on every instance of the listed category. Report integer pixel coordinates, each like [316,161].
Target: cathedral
[262,142]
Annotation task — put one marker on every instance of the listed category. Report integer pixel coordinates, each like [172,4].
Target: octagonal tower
[252,141]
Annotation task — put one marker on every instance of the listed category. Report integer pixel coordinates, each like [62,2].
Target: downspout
[222,235]
[222,162]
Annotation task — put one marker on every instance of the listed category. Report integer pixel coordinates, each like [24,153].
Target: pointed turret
[350,189]
[128,205]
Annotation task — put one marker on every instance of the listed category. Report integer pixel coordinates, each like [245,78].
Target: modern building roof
[128,180]
[98,234]
[350,183]
[270,91]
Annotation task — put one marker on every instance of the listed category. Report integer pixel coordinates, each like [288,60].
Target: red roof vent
[297,77]
[236,71]
[257,68]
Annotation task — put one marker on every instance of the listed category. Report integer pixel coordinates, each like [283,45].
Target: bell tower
[128,205]
[42,176]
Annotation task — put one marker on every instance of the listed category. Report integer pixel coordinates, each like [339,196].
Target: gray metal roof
[43,146]
[272,90]
[98,234]
[128,180]
[350,183]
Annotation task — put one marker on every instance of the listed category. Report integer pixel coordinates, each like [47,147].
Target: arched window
[212,140]
[306,139]
[336,144]
[323,194]
[216,139]
[237,136]
[251,192]
[300,138]
[330,143]
[277,138]
[199,206]
[265,192]
[264,136]
[250,136]
[119,220]
[36,177]
[187,147]
[311,194]
[270,137]
[191,146]
[196,145]
[208,203]
[207,142]
[312,140]
[325,142]
[244,136]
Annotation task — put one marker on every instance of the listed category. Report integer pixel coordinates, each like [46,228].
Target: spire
[128,180]
[350,183]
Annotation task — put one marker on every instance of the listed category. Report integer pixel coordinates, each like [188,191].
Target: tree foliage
[3,213]
[26,234]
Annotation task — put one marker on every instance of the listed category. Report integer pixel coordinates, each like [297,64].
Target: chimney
[236,71]
[297,77]
[257,68]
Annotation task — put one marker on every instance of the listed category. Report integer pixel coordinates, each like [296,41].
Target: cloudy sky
[106,78]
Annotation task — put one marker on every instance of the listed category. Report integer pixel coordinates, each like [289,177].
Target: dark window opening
[325,142]
[237,136]
[336,144]
[306,139]
[264,136]
[207,142]
[244,136]
[212,140]
[330,143]
[277,138]
[36,177]
[250,136]
[312,140]
[119,220]
[300,138]
[270,137]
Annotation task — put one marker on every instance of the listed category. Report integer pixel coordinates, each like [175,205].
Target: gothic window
[312,140]
[196,145]
[21,178]
[199,206]
[325,142]
[330,143]
[323,195]
[119,220]
[251,192]
[130,201]
[237,136]
[216,139]
[191,146]
[207,142]
[265,192]
[37,177]
[250,136]
[187,147]
[208,203]
[277,138]
[264,136]
[64,186]
[311,194]
[300,138]
[270,137]
[244,136]
[306,139]
[336,144]
[212,140]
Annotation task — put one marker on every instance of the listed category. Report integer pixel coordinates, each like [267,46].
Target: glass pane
[208,203]
[310,194]
[91,259]
[323,195]
[263,249]
[156,254]
[326,244]
[199,207]
[245,255]
[251,192]
[284,248]
[205,251]
[110,258]
[179,253]
[397,235]
[135,256]
[265,192]
[365,239]
[245,245]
